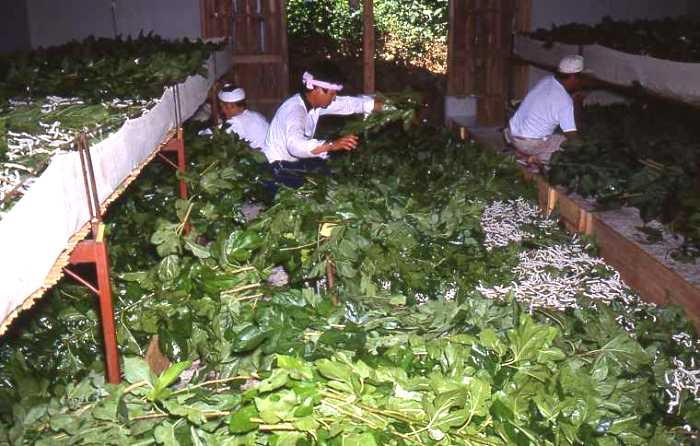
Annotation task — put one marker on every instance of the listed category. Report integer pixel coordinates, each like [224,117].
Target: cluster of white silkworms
[685,340]
[136,106]
[450,292]
[53,102]
[422,298]
[22,147]
[682,378]
[504,222]
[13,180]
[556,276]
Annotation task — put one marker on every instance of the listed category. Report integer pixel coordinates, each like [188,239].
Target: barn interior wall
[50,24]
[13,22]
[546,13]
[171,19]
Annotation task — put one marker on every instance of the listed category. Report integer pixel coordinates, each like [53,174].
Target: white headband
[232,96]
[310,83]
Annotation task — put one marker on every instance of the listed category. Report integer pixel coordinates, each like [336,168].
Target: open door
[260,56]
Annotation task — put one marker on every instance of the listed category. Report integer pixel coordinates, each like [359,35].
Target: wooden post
[368,47]
[94,251]
[461,56]
[109,332]
[493,53]
[521,72]
[176,145]
[284,52]
[451,66]
[330,278]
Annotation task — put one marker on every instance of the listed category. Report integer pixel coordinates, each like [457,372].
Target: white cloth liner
[679,81]
[674,80]
[37,229]
[534,51]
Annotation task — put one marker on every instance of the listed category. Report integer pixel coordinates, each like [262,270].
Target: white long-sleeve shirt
[291,133]
[250,126]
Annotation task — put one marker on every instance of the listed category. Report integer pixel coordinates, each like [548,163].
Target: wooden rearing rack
[177,145]
[94,251]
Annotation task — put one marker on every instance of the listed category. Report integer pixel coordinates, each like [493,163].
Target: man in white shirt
[250,126]
[548,106]
[290,146]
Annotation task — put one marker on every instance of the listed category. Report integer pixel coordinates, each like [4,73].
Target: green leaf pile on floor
[413,354]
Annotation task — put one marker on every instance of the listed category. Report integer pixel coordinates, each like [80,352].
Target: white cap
[232,96]
[571,65]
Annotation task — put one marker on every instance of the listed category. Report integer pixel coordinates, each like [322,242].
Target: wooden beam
[257,58]
[368,47]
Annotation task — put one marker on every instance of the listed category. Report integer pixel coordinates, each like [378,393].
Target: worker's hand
[347,142]
[378,105]
[579,96]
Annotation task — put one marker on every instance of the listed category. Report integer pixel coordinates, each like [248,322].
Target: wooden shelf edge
[645,273]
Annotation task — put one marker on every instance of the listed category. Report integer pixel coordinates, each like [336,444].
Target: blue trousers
[292,173]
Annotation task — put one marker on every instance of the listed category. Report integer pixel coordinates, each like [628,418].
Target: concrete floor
[491,137]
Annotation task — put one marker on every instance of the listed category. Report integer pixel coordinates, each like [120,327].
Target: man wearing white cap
[548,106]
[248,125]
[290,146]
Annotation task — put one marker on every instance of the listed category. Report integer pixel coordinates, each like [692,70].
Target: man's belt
[523,138]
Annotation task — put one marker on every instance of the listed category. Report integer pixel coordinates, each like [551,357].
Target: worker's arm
[301,146]
[578,98]
[297,143]
[347,142]
[572,136]
[568,122]
[351,105]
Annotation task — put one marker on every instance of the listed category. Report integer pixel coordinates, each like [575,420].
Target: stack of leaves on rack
[671,39]
[441,337]
[645,155]
[49,95]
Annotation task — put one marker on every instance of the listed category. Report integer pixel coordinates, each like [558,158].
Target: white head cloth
[310,83]
[232,96]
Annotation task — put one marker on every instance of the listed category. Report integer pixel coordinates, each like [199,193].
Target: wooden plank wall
[520,73]
[260,52]
[480,43]
[215,16]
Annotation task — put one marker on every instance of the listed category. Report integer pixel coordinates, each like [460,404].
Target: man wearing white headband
[247,124]
[548,106]
[290,146]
